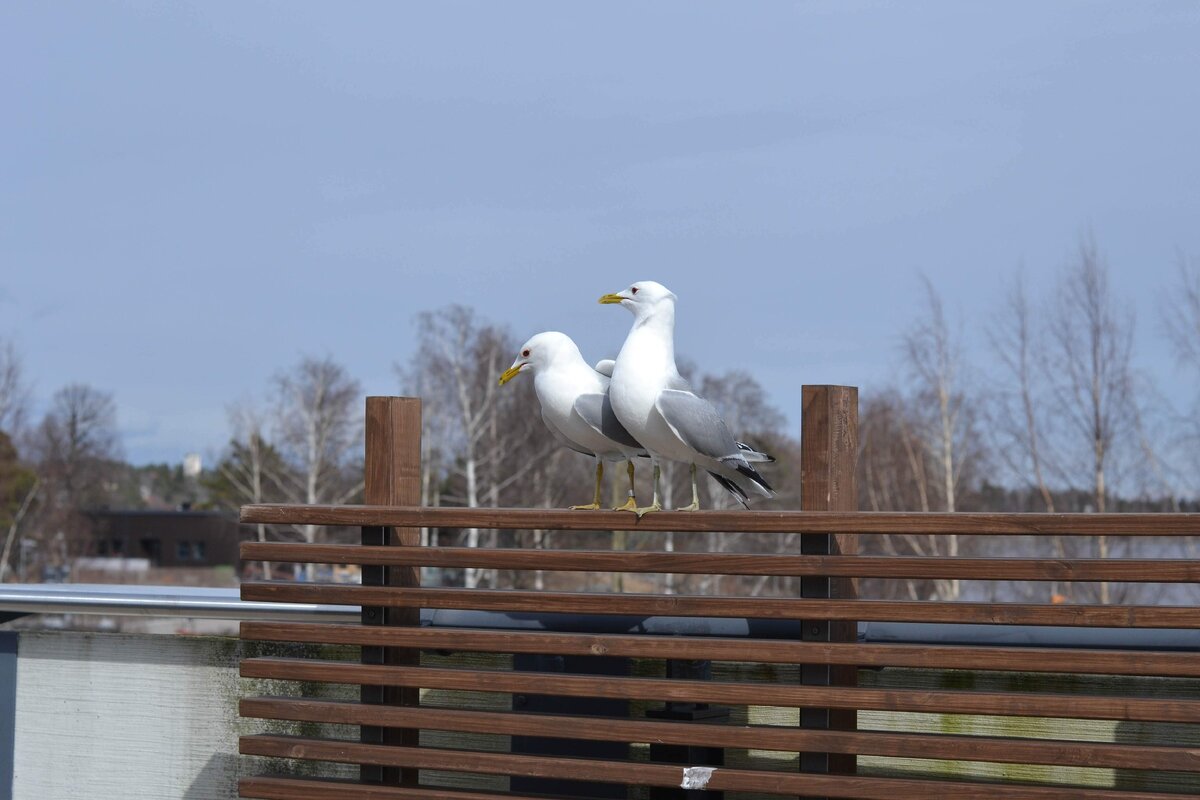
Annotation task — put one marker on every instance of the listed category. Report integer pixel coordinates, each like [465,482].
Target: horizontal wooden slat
[747,521]
[763,737]
[721,779]
[278,788]
[1032,659]
[1020,704]
[755,607]
[1028,569]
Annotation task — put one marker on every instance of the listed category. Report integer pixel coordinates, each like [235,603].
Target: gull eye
[633,290]
[525,353]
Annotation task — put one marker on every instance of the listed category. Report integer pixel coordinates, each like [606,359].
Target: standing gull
[575,406]
[659,408]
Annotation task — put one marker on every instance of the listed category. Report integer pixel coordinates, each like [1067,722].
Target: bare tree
[1018,420]
[890,477]
[18,491]
[1091,344]
[457,369]
[933,357]
[75,441]
[74,448]
[14,394]
[18,485]
[1018,405]
[318,430]
[250,470]
[895,466]
[1181,314]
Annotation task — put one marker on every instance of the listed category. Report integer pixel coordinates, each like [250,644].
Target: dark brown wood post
[392,477]
[828,461]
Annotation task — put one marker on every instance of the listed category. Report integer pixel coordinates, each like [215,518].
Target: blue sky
[193,195]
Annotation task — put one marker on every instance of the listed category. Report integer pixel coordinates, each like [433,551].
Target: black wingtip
[732,487]
[752,474]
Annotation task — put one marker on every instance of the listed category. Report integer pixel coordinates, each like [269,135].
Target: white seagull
[575,405]
[658,407]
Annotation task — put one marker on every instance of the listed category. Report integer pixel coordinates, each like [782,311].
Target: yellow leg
[630,502]
[595,504]
[656,505]
[695,506]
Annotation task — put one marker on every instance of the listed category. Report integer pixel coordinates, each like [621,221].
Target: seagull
[575,406]
[605,367]
[658,407]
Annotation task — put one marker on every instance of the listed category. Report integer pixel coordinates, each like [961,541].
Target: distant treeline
[1052,414]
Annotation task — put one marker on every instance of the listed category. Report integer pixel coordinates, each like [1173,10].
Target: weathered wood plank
[1030,659]
[391,476]
[828,461]
[276,788]
[963,523]
[720,779]
[757,607]
[763,737]
[1020,704]
[1158,570]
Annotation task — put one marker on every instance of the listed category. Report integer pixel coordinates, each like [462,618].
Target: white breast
[641,372]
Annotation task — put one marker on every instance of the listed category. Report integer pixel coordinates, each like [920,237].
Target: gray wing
[697,423]
[596,410]
[563,440]
[605,367]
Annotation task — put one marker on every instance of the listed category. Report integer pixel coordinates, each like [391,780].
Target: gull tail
[732,487]
[757,481]
[753,456]
[740,479]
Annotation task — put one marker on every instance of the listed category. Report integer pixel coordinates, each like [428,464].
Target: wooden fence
[748,716]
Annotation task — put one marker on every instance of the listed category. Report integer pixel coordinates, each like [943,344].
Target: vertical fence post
[828,458]
[392,477]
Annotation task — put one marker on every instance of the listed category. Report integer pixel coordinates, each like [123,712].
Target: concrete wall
[120,716]
[116,716]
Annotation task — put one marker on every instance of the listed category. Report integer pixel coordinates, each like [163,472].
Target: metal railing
[158,601]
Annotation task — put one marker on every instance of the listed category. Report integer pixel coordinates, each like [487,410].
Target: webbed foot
[630,505]
[641,512]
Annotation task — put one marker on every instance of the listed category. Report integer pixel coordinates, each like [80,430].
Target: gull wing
[561,438]
[596,410]
[697,424]
[605,367]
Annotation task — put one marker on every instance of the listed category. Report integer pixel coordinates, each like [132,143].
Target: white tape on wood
[696,777]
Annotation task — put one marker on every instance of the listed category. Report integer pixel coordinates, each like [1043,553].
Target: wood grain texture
[391,476]
[1161,570]
[1020,704]
[756,608]
[829,448]
[278,788]
[965,523]
[763,737]
[1023,659]
[722,779]
[828,482]
[392,470]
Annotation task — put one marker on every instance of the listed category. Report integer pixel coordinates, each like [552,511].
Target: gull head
[540,351]
[641,298]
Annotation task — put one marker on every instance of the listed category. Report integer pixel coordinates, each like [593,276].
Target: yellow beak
[511,372]
[612,298]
